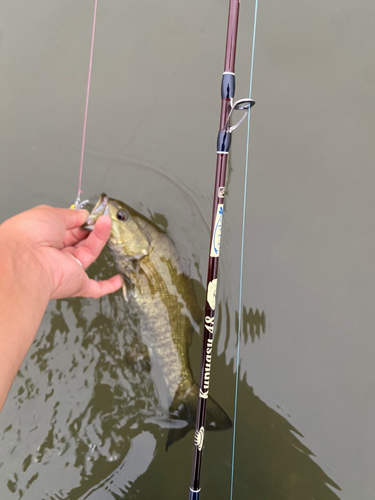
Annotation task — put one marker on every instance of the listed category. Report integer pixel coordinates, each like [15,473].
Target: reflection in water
[83,420]
[134,465]
[270,459]
[79,399]
[253,324]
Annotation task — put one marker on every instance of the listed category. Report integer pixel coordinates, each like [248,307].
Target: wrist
[23,300]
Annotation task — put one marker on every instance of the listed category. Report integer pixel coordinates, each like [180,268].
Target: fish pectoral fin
[124,289]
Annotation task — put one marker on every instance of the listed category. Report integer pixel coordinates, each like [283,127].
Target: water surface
[83,419]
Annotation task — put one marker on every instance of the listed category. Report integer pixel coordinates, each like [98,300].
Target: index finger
[73,218]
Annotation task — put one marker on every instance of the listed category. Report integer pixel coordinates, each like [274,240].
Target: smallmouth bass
[155,280]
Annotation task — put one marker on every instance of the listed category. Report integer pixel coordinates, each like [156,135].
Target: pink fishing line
[87,102]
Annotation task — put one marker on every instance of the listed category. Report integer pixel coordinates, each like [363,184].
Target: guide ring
[240,105]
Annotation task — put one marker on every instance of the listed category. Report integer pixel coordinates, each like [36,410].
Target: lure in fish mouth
[101,208]
[155,280]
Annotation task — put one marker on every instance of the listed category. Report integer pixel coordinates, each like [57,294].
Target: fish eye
[122,215]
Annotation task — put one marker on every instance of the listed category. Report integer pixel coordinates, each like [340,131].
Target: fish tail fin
[186,409]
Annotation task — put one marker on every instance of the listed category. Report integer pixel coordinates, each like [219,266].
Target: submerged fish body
[154,278]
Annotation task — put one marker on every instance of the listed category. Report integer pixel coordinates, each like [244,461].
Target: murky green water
[82,419]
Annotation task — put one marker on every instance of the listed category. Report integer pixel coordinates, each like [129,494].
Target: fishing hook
[78,204]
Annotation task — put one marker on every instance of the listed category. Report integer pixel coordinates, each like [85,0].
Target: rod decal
[198,438]
[216,235]
[211,294]
[203,392]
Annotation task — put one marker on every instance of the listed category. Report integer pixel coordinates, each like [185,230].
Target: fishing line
[78,203]
[242,257]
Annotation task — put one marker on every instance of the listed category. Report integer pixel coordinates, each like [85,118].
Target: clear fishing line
[242,257]
[86,108]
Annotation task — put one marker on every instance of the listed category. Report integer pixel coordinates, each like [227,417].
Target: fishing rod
[228,106]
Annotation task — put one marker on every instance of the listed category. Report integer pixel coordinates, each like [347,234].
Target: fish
[156,282]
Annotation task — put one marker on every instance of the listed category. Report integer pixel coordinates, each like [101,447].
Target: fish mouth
[101,208]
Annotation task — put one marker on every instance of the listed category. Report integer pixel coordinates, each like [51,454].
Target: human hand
[54,246]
